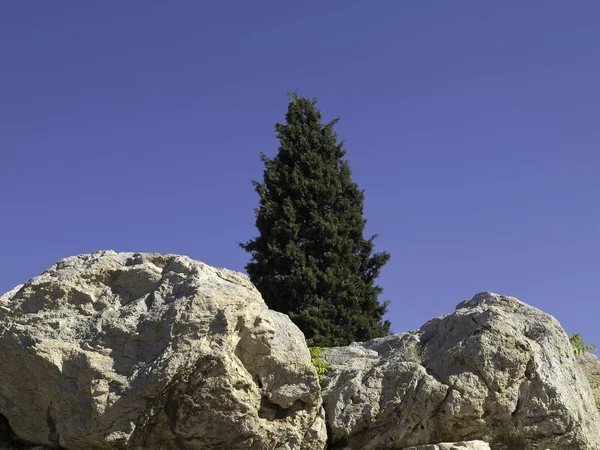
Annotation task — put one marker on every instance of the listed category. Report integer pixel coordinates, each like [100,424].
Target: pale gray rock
[496,369]
[591,367]
[464,445]
[129,350]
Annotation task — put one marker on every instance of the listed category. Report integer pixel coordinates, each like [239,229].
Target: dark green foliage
[310,260]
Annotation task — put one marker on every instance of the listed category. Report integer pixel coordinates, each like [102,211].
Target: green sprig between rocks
[320,365]
[580,347]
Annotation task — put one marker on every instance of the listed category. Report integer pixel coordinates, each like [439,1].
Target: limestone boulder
[496,370]
[137,350]
[590,364]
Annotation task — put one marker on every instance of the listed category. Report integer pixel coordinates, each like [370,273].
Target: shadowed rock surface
[129,350]
[496,370]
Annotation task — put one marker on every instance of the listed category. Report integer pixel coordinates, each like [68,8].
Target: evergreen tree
[310,260]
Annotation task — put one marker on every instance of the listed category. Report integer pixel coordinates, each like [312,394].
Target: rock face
[465,445]
[114,351]
[591,367]
[496,370]
[142,351]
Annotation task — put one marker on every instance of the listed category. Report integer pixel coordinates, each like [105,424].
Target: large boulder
[114,351]
[496,369]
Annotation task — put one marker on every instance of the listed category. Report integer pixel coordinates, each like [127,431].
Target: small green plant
[315,358]
[411,352]
[580,347]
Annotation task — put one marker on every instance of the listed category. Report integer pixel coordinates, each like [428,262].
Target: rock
[496,370]
[464,445]
[591,368]
[114,351]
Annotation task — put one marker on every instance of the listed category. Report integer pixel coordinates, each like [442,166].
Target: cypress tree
[310,260]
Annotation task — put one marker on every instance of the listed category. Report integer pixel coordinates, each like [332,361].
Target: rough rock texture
[115,351]
[464,445]
[591,367]
[496,370]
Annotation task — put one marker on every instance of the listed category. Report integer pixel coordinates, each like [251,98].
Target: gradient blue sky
[473,128]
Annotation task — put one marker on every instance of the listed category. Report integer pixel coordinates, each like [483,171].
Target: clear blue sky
[473,128]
